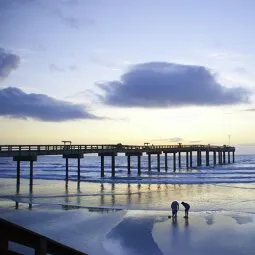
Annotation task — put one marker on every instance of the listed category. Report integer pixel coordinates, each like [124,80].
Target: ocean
[152,190]
[53,168]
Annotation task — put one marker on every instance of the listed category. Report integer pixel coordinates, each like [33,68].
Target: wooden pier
[221,155]
[41,245]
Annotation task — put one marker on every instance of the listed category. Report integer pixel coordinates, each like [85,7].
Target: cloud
[246,144]
[8,62]
[171,140]
[163,84]
[72,67]
[64,10]
[240,70]
[15,103]
[250,110]
[55,68]
[175,139]
[195,141]
[6,4]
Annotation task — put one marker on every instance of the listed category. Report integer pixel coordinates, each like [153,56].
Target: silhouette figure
[187,207]
[175,208]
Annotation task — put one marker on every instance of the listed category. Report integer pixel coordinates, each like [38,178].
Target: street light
[229,139]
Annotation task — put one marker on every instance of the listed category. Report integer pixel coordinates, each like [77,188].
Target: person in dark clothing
[175,208]
[187,207]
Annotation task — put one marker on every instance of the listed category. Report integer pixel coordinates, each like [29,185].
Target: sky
[110,71]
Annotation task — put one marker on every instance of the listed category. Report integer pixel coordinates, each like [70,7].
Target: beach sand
[222,217]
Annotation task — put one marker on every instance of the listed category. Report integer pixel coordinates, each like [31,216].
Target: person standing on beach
[175,208]
[187,207]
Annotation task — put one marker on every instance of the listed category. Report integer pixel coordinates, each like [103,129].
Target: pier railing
[42,245]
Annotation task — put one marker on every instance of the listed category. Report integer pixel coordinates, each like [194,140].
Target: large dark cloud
[162,84]
[15,103]
[8,62]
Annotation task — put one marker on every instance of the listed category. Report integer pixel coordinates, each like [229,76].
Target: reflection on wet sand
[137,196]
[128,196]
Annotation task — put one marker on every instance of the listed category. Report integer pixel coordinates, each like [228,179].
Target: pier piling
[149,162]
[174,161]
[158,162]
[166,167]
[190,159]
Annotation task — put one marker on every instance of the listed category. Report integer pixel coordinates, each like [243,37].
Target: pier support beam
[102,165]
[158,162]
[79,169]
[18,176]
[179,159]
[128,164]
[199,158]
[113,165]
[134,153]
[187,159]
[139,165]
[31,177]
[233,157]
[190,159]
[67,156]
[31,159]
[67,169]
[228,157]
[174,161]
[166,167]
[214,158]
[149,162]
[112,154]
[207,158]
[224,157]
[220,157]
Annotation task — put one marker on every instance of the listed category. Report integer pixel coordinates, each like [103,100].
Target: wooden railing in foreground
[41,244]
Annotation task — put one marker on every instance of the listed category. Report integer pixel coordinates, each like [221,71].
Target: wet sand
[133,219]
